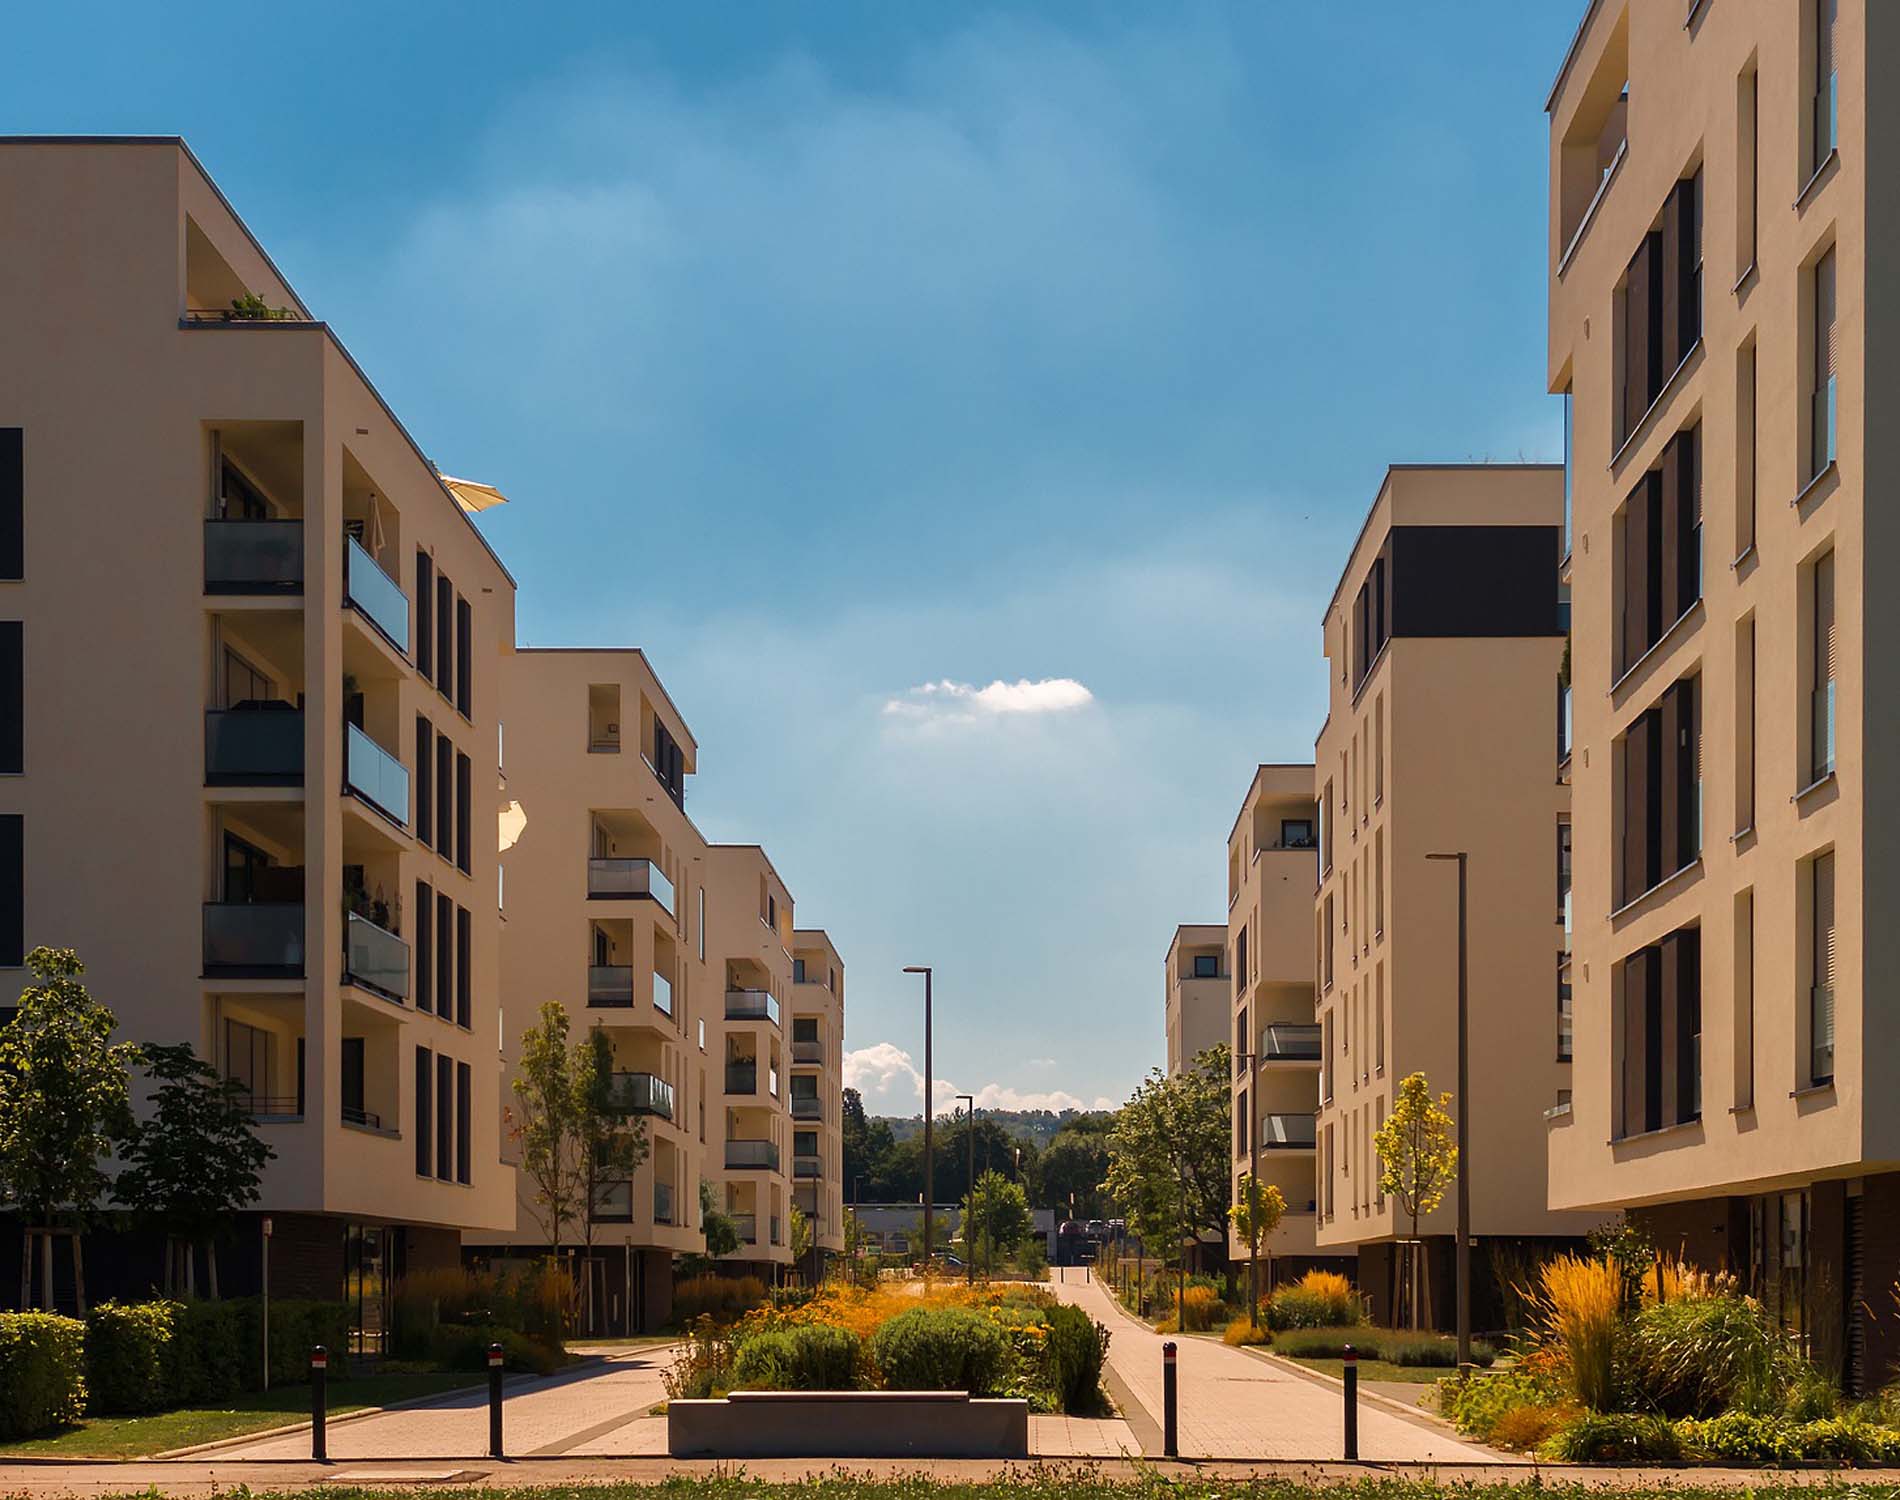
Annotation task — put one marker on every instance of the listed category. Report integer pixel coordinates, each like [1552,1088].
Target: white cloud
[947,702]
[891,1082]
[884,1073]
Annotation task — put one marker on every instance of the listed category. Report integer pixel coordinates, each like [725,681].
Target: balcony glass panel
[1296,1042]
[375,595]
[260,746]
[662,1203]
[751,1005]
[1821,1026]
[808,1052]
[662,994]
[613,1202]
[642,1094]
[625,879]
[807,1167]
[1824,426]
[610,984]
[375,958]
[375,775]
[257,939]
[807,1107]
[1821,706]
[1287,1132]
[747,1227]
[254,557]
[746,1156]
[742,1078]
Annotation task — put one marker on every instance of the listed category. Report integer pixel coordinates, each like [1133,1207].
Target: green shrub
[208,1362]
[1430,1350]
[1074,1352]
[942,1349]
[296,1327]
[1309,1307]
[129,1356]
[1701,1356]
[1477,1403]
[529,1299]
[807,1357]
[1616,1437]
[464,1346]
[1323,1343]
[42,1373]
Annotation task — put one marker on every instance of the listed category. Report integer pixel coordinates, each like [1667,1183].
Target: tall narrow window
[12,502]
[425,615]
[1378,748]
[444,956]
[444,635]
[1826,124]
[425,782]
[1744,991]
[444,1116]
[464,659]
[1821,993]
[425,1112]
[1378,881]
[464,1120]
[1569,466]
[1565,1037]
[464,813]
[1821,422]
[444,797]
[1378,1022]
[1747,169]
[1821,695]
[1745,447]
[1745,724]
[12,698]
[464,966]
[425,946]
[12,890]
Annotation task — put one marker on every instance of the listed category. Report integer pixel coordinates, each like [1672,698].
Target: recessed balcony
[746,1226]
[641,1094]
[374,776]
[375,596]
[628,880]
[375,959]
[1288,1132]
[254,557]
[808,1052]
[610,986]
[807,1168]
[742,1078]
[254,745]
[751,1156]
[662,1203]
[254,939]
[752,1005]
[807,1107]
[1290,1042]
[613,1202]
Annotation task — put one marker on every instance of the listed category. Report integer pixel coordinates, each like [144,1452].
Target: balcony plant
[251,308]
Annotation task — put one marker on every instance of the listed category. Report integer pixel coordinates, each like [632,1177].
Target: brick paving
[1234,1405]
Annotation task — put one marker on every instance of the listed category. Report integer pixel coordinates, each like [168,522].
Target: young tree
[1169,1154]
[722,1235]
[64,1104]
[1257,1211]
[995,1215]
[798,1233]
[193,1164]
[543,1124]
[1418,1158]
[610,1142]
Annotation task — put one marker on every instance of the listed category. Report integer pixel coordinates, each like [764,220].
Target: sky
[967,407]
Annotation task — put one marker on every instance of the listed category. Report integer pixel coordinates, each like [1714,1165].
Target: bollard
[494,1401]
[319,1369]
[1170,1432]
[1351,1372]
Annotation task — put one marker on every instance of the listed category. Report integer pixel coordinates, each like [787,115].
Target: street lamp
[969,1202]
[929,1197]
[1464,1120]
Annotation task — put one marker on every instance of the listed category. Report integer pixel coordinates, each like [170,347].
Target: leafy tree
[996,1150]
[610,1142]
[798,1233]
[1168,1154]
[722,1235]
[194,1163]
[64,1104]
[1072,1171]
[995,1216]
[1257,1211]
[543,1124]
[1418,1159]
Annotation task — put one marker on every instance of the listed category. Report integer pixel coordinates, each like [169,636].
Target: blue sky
[854,357]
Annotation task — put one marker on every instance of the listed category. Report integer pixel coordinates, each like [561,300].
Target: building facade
[1715,334]
[1444,646]
[1272,865]
[817,1090]
[1196,990]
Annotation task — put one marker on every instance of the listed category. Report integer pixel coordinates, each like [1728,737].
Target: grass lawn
[252,1411]
[642,1341]
[1084,1481]
[1376,1369]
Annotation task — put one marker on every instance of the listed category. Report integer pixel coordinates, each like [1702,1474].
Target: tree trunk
[211,1266]
[79,1271]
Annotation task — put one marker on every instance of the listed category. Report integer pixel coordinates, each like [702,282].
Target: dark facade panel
[1474,580]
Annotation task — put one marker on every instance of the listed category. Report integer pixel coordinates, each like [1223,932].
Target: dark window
[444,635]
[798,971]
[1563,867]
[352,1091]
[1565,1041]
[464,1112]
[425,603]
[1296,833]
[1662,547]
[464,813]
[464,944]
[12,502]
[1662,791]
[1662,304]
[12,697]
[1662,1034]
[12,891]
[1207,966]
[425,946]
[444,797]
[804,1028]
[425,782]
[444,956]
[669,763]
[425,1113]
[464,659]
[444,1117]
[1240,957]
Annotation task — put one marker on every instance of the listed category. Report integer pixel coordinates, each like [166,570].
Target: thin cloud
[947,702]
[890,1081]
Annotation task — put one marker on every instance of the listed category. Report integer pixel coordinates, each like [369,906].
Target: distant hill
[1037,1126]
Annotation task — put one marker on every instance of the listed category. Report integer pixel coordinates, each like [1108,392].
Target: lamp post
[969,1202]
[929,1198]
[1464,1119]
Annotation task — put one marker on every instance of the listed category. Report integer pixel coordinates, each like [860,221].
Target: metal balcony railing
[1821,1033]
[375,596]
[642,1094]
[355,1114]
[257,746]
[254,557]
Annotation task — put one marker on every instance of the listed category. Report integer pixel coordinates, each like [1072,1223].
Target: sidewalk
[1234,1406]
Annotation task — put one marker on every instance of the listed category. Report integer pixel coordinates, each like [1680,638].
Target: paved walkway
[1235,1405]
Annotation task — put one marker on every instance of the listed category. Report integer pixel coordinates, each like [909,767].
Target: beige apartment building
[252,780]
[1272,867]
[1715,327]
[1196,989]
[817,1090]
[1444,646]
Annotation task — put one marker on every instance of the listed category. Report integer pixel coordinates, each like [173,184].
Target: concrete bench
[848,1424]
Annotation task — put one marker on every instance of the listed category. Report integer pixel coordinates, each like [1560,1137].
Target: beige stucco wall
[1194,1011]
[820,997]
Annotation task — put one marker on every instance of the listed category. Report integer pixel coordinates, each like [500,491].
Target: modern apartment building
[817,1089]
[1272,865]
[1715,333]
[1444,645]
[249,692]
[1195,986]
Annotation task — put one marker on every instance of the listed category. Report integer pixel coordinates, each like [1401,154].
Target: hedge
[42,1373]
[128,1346]
[942,1349]
[296,1327]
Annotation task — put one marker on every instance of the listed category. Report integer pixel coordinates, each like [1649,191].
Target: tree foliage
[1418,1156]
[1070,1173]
[995,1215]
[722,1235]
[798,1233]
[610,1143]
[1169,1153]
[542,1122]
[64,1098]
[1257,1211]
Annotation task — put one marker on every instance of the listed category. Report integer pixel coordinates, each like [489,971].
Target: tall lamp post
[1464,1119]
[969,1201]
[929,1197]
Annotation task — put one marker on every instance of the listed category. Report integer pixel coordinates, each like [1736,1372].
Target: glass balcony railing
[746,1226]
[374,958]
[1821,1033]
[375,775]
[642,1094]
[610,985]
[807,1107]
[355,1114]
[260,746]
[809,1168]
[1287,1132]
[1290,1042]
[254,557]
[1821,729]
[751,1005]
[254,940]
[662,1203]
[1822,430]
[613,1202]
[375,596]
[627,880]
[808,1052]
[778,1230]
[662,994]
[742,1078]
[751,1156]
